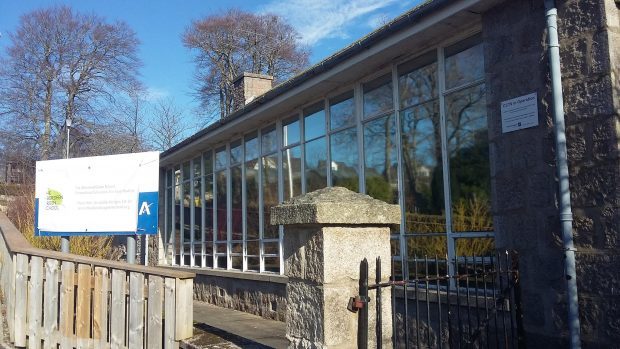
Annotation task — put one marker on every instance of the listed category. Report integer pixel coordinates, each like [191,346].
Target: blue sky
[325,26]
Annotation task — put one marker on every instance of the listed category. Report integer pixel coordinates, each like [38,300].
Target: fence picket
[100,307]
[82,311]
[67,301]
[184,299]
[50,304]
[155,308]
[136,310]
[170,314]
[21,299]
[35,302]
[117,311]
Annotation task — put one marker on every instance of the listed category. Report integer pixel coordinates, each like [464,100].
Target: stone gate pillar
[327,233]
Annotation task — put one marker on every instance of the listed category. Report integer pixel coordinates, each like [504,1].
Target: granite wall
[523,162]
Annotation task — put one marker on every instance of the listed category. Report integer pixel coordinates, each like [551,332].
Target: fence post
[327,233]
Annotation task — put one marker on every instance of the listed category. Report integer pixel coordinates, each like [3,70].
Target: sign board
[101,195]
[519,113]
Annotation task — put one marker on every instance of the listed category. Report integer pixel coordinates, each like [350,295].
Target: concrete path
[216,327]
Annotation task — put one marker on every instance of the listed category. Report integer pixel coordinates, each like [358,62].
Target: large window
[415,135]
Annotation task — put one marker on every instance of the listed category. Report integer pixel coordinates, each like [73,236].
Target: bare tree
[60,65]
[167,126]
[236,42]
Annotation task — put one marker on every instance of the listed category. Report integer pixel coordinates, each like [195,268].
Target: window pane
[207,159]
[271,248]
[220,159]
[221,206]
[169,217]
[272,264]
[253,248]
[381,159]
[270,193]
[316,158]
[378,97]
[197,210]
[237,262]
[468,150]
[176,239]
[253,263]
[222,262]
[186,211]
[251,147]
[422,169]
[186,171]
[177,176]
[235,187]
[464,62]
[196,164]
[291,171]
[208,202]
[344,159]
[269,140]
[342,111]
[422,246]
[418,80]
[314,122]
[235,153]
[477,247]
[251,192]
[290,131]
[169,178]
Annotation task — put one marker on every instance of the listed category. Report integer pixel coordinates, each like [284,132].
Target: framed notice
[519,113]
[101,195]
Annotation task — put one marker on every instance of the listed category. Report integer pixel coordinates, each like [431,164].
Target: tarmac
[216,327]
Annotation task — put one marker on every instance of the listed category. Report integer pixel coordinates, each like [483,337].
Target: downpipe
[566,215]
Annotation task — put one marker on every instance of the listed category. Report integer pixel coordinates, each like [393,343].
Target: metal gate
[477,307]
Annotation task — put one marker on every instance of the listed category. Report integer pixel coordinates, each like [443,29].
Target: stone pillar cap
[335,205]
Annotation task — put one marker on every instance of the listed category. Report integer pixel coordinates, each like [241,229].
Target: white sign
[114,194]
[519,113]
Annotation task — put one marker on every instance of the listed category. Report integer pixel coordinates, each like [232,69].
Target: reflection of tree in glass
[381,161]
[344,159]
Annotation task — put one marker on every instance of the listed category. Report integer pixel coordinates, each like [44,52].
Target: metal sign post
[131,249]
[65,246]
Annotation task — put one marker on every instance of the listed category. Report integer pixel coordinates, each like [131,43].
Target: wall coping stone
[233,274]
[335,205]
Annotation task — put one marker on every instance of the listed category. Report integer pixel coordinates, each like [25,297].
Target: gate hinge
[357,303]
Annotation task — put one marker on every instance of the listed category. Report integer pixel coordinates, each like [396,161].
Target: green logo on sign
[54,197]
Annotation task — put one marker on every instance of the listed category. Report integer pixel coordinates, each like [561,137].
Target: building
[418,113]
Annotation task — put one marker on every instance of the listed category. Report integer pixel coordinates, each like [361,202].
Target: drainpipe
[566,216]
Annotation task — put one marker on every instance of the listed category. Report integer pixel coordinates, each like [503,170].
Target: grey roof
[397,24]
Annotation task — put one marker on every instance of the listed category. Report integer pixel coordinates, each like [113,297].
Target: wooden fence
[55,299]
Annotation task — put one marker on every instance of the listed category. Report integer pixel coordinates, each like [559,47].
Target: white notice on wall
[519,113]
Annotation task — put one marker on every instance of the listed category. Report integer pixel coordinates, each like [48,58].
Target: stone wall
[523,163]
[263,298]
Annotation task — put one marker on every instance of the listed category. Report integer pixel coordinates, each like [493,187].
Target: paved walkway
[216,327]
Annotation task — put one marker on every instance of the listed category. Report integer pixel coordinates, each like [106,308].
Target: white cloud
[155,93]
[320,19]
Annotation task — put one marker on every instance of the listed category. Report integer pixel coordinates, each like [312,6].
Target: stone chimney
[248,86]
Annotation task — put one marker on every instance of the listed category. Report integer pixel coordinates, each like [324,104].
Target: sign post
[102,195]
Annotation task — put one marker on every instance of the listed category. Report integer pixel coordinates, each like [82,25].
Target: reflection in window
[221,206]
[314,122]
[251,192]
[236,203]
[186,211]
[251,147]
[290,131]
[269,142]
[208,203]
[381,159]
[468,151]
[270,194]
[220,159]
[422,169]
[344,162]
[464,62]
[235,153]
[291,172]
[378,96]
[417,82]
[315,162]
[341,111]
